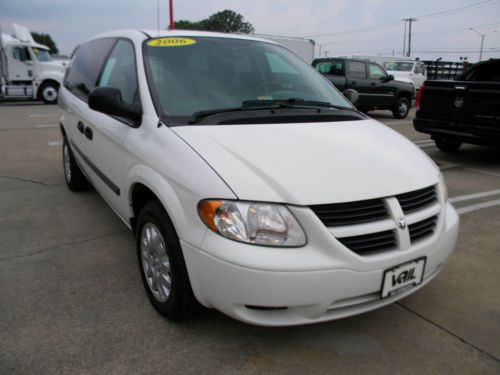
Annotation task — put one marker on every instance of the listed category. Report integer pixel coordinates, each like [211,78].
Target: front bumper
[293,294]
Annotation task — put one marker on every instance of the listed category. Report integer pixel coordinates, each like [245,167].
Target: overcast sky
[364,27]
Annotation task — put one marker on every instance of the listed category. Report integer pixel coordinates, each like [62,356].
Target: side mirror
[108,100]
[390,77]
[352,96]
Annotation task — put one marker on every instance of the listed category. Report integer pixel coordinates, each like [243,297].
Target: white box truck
[302,47]
[27,69]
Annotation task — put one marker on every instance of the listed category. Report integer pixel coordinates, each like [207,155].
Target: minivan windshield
[189,75]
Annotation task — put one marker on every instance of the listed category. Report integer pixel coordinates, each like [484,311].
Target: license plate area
[402,277]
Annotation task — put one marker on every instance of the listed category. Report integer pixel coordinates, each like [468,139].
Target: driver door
[382,89]
[20,64]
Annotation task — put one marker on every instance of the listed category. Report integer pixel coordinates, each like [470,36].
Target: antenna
[158,17]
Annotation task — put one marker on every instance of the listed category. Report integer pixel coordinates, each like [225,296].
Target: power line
[458,10]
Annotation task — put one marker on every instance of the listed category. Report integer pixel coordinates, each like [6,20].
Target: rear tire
[401,108]
[161,263]
[48,92]
[75,180]
[447,144]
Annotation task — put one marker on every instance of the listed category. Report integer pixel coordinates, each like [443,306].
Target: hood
[58,66]
[313,163]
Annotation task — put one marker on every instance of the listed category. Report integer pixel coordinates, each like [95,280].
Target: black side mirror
[352,96]
[108,100]
[390,77]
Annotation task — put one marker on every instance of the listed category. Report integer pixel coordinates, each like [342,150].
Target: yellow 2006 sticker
[171,42]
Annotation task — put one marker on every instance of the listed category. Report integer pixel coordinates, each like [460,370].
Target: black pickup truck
[376,88]
[463,111]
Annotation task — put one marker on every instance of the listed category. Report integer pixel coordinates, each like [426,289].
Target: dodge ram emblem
[402,222]
[459,102]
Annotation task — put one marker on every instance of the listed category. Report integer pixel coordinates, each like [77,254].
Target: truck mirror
[352,96]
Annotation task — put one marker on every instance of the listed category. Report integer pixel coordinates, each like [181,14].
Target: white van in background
[27,69]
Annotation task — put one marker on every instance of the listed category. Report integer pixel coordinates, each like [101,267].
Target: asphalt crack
[41,251]
[448,332]
[27,180]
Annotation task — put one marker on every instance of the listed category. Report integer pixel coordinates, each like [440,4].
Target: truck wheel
[447,144]
[48,92]
[162,265]
[74,177]
[401,108]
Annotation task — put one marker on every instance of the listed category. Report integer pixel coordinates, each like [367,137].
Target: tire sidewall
[49,85]
[154,213]
[396,112]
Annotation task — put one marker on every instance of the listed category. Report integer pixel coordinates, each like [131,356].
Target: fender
[186,221]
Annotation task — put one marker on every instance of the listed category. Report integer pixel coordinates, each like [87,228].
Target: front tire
[161,263]
[48,92]
[75,180]
[401,108]
[447,145]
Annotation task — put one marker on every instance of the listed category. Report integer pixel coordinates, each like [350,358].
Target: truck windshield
[188,75]
[42,55]
[400,66]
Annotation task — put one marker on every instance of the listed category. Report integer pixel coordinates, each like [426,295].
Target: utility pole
[410,20]
[482,40]
[404,37]
[171,14]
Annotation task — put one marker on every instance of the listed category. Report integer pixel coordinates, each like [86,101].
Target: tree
[226,21]
[46,40]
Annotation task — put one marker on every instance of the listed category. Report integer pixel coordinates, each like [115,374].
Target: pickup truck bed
[463,111]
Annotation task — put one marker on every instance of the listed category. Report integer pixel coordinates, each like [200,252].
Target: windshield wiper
[290,103]
[252,105]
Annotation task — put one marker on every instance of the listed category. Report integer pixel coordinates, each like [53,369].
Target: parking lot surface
[71,297]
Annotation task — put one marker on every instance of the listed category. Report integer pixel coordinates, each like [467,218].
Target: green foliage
[46,40]
[226,21]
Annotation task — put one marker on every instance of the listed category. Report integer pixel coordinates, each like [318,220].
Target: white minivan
[251,184]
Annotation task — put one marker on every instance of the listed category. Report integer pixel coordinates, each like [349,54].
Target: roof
[143,34]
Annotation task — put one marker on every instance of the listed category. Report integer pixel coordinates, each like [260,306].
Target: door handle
[80,126]
[374,84]
[88,132]
[353,82]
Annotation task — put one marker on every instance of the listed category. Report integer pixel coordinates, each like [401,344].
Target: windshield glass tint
[42,55]
[400,66]
[214,73]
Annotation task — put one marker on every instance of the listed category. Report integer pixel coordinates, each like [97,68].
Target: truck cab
[26,68]
[413,70]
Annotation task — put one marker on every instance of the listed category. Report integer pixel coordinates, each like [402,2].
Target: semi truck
[27,69]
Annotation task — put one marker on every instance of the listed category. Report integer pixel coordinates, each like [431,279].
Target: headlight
[442,187]
[254,223]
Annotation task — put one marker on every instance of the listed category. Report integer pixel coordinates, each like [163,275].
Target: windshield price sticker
[171,42]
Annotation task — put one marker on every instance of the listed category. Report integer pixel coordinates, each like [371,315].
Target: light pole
[482,40]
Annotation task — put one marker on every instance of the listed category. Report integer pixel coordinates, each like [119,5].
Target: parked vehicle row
[377,89]
[252,185]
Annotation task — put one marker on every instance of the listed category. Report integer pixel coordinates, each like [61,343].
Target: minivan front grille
[417,199]
[369,243]
[339,214]
[381,235]
[422,228]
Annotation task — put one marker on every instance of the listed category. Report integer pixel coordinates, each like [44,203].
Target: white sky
[333,24]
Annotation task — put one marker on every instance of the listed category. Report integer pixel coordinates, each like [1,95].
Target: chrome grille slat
[370,243]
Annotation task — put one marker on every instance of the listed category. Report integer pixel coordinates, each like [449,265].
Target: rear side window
[120,71]
[484,73]
[335,68]
[86,65]
[356,69]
